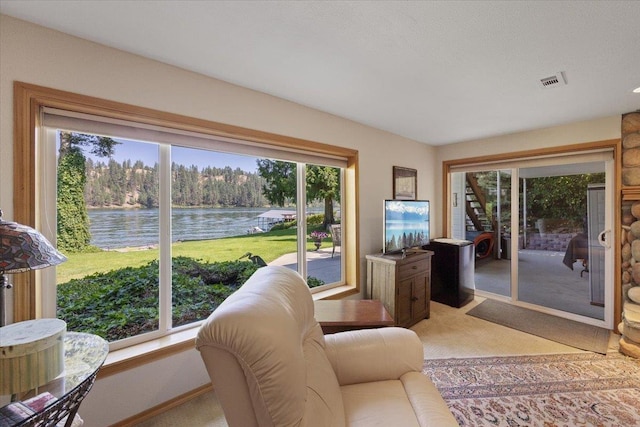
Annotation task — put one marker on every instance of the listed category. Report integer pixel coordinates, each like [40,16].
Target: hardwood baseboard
[163,407]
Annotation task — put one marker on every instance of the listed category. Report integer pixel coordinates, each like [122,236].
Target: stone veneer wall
[630,237]
[550,242]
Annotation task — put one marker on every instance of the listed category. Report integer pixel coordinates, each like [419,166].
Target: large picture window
[161,225]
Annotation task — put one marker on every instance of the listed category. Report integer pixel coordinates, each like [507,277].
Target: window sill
[140,354]
[336,293]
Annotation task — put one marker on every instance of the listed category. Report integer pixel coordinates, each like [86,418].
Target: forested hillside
[130,184]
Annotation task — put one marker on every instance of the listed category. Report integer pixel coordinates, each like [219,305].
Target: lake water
[118,228]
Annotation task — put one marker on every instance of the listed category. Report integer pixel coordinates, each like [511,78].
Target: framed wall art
[405,183]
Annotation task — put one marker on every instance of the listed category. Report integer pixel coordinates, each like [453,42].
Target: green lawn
[269,246]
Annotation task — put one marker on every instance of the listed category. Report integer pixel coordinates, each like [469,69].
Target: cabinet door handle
[414,299]
[415,267]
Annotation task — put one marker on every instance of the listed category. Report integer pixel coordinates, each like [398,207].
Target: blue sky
[148,154]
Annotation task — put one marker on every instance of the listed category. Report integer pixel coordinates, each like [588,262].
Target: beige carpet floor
[554,328]
[448,333]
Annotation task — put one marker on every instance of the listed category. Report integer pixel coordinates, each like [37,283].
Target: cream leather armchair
[270,364]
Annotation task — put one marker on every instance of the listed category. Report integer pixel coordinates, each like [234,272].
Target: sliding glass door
[554,264]
[483,216]
[541,231]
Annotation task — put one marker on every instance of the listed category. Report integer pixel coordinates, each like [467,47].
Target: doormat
[564,331]
[576,389]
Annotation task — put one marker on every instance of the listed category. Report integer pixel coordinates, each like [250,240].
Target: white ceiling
[435,71]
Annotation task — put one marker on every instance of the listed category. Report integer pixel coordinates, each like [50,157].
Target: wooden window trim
[28,102]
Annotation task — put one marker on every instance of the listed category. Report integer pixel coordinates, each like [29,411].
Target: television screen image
[406,224]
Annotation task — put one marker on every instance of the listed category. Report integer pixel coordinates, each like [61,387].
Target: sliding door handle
[603,240]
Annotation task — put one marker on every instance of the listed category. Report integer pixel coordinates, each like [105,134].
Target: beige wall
[36,55]
[574,133]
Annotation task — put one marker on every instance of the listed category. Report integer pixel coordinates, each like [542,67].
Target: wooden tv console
[402,283]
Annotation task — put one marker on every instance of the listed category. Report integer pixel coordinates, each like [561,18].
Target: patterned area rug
[560,390]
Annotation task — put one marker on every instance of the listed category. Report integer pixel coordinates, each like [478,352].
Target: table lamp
[22,248]
[32,352]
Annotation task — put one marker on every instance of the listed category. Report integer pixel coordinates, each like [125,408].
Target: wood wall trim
[619,193]
[614,144]
[43,96]
[164,407]
[630,193]
[24,195]
[28,102]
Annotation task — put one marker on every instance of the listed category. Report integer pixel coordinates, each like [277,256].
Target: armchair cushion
[379,371]
[374,354]
[380,403]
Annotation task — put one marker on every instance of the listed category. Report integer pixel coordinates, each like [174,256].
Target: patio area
[544,280]
[320,264]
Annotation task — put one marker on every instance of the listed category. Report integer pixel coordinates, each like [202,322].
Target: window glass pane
[225,225]
[276,238]
[107,204]
[324,261]
[230,214]
[559,265]
[487,223]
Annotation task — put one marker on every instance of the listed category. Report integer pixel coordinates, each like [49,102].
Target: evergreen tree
[73,219]
[135,184]
[148,197]
[323,183]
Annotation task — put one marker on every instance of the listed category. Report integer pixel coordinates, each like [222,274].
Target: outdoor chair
[335,237]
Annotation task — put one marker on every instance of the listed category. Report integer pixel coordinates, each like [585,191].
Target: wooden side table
[344,315]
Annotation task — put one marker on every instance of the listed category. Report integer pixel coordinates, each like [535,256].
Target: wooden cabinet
[402,284]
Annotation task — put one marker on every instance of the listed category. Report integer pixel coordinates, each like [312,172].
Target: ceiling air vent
[554,81]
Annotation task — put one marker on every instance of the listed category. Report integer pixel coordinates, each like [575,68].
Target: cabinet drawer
[411,268]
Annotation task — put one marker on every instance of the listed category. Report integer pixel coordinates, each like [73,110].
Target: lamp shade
[23,248]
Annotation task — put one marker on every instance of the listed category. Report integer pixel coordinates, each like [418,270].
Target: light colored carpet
[448,333]
[201,411]
[565,331]
[451,333]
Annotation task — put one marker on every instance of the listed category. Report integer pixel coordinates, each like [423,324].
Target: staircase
[476,207]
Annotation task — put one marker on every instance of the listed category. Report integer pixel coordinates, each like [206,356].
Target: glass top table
[60,398]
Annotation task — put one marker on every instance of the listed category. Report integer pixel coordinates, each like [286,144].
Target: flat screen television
[406,224]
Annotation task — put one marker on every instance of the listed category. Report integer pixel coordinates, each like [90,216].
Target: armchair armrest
[374,354]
